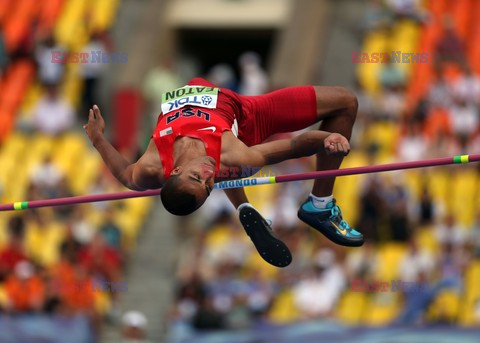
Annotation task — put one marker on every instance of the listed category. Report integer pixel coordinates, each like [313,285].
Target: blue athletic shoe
[329,221]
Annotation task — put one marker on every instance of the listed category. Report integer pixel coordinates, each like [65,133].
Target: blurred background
[199,278]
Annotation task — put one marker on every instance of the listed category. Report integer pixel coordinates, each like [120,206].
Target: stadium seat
[283,309]
[351,307]
[49,14]
[103,14]
[382,309]
[445,307]
[390,255]
[18,23]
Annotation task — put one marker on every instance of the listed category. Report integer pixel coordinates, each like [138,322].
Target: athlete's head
[189,186]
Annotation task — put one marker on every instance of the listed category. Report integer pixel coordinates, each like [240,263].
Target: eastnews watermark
[392,57]
[59,286]
[392,286]
[240,172]
[94,57]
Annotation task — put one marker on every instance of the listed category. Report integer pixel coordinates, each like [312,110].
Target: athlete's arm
[305,144]
[136,176]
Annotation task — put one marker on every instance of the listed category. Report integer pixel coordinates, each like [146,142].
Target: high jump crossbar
[247,182]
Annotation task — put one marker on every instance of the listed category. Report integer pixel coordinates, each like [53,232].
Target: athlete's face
[197,176]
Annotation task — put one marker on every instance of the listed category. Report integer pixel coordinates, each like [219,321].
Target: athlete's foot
[270,248]
[329,221]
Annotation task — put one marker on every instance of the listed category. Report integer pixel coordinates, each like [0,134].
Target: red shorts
[285,110]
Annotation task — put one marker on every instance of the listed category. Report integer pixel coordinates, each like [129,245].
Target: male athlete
[205,131]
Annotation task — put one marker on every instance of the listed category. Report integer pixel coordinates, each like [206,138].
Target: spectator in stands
[413,146]
[25,289]
[415,262]
[70,246]
[207,317]
[391,75]
[134,325]
[47,177]
[443,145]
[467,87]
[190,293]
[110,231]
[361,264]
[91,71]
[253,79]
[77,294]
[376,15]
[464,118]
[223,75]
[328,279]
[393,80]
[428,208]
[63,191]
[82,229]
[372,207]
[14,251]
[475,236]
[440,92]
[49,73]
[101,260]
[449,231]
[451,265]
[411,9]
[4,60]
[416,303]
[450,47]
[397,202]
[222,288]
[53,115]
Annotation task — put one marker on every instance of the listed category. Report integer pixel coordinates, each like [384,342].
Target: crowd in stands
[68,261]
[420,226]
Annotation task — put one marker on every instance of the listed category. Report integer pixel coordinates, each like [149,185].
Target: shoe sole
[331,235]
[270,248]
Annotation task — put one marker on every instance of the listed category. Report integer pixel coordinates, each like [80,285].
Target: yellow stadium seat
[426,239]
[83,178]
[446,306]
[42,243]
[376,41]
[3,297]
[413,179]
[103,14]
[283,309]
[102,302]
[382,309]
[261,195]
[438,185]
[472,277]
[351,307]
[255,265]
[389,256]
[463,201]
[70,22]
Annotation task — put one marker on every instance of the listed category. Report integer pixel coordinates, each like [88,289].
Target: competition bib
[189,96]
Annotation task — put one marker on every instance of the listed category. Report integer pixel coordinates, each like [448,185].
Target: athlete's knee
[349,101]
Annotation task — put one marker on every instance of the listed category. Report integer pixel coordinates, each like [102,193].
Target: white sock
[245,204]
[321,202]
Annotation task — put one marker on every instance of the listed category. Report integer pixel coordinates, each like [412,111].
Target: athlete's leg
[296,108]
[337,109]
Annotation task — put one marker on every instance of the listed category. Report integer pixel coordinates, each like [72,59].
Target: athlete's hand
[95,125]
[336,145]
